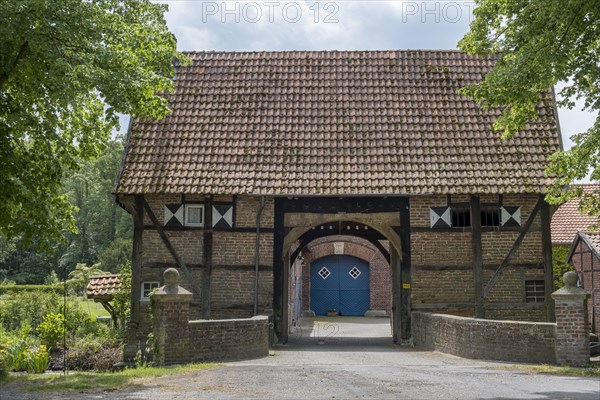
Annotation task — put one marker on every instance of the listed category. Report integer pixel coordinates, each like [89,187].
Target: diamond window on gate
[324,272]
[354,272]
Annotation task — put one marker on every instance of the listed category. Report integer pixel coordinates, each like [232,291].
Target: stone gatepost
[572,329]
[171,310]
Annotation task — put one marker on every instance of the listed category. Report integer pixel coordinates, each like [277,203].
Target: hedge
[31,288]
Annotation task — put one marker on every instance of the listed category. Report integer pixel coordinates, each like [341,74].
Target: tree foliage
[80,277]
[540,43]
[66,69]
[103,234]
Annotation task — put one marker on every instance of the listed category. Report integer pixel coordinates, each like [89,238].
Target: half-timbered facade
[354,182]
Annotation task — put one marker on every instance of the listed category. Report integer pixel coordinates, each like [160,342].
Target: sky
[270,25]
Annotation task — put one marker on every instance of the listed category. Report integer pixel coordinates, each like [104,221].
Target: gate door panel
[339,283]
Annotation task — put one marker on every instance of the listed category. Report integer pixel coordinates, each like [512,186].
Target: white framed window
[147,288]
[194,214]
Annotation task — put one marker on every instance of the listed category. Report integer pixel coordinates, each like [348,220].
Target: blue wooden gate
[339,283]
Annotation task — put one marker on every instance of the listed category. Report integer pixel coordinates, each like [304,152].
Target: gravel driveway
[349,359]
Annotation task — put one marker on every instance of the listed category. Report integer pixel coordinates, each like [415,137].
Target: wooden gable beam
[207,258]
[524,230]
[161,232]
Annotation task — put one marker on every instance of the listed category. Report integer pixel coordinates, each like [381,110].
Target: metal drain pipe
[257,252]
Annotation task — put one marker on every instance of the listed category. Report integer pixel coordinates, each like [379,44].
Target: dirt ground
[347,358]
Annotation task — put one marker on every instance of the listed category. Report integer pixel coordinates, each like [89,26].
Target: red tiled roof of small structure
[567,220]
[333,123]
[103,287]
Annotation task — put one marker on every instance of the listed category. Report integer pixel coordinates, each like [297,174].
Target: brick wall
[232,339]
[441,248]
[448,286]
[233,260]
[441,260]
[238,248]
[485,339]
[571,333]
[442,272]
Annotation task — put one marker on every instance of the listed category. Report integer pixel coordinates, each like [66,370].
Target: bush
[22,352]
[90,353]
[27,307]
[52,329]
[13,288]
[559,264]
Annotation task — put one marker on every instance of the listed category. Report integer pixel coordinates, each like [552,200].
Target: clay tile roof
[102,287]
[567,220]
[333,123]
[594,238]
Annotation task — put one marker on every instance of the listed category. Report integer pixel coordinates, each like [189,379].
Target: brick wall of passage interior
[587,266]
[380,279]
[529,342]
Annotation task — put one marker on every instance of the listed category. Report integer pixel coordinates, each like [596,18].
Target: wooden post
[396,296]
[131,347]
[278,236]
[477,256]
[207,257]
[285,297]
[547,251]
[405,269]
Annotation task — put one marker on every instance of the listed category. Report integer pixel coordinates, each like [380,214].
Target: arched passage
[386,217]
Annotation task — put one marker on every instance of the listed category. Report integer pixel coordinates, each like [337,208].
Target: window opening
[534,291]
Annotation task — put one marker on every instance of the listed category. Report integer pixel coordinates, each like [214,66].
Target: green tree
[540,43]
[559,264]
[67,68]
[99,221]
[80,277]
[117,253]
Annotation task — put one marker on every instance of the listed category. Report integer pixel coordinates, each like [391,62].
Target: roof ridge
[327,51]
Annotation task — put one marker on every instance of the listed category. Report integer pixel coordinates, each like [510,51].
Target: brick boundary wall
[178,340]
[514,341]
[231,339]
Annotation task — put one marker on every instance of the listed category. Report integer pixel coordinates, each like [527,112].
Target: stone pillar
[171,310]
[572,329]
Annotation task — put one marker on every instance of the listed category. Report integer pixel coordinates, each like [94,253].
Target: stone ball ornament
[570,278]
[171,276]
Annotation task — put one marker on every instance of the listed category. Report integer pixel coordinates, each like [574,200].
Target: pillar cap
[171,276]
[570,291]
[171,291]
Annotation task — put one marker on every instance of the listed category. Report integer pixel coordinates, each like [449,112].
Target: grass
[93,308]
[80,381]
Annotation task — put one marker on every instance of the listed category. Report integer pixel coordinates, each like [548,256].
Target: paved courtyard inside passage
[355,358]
